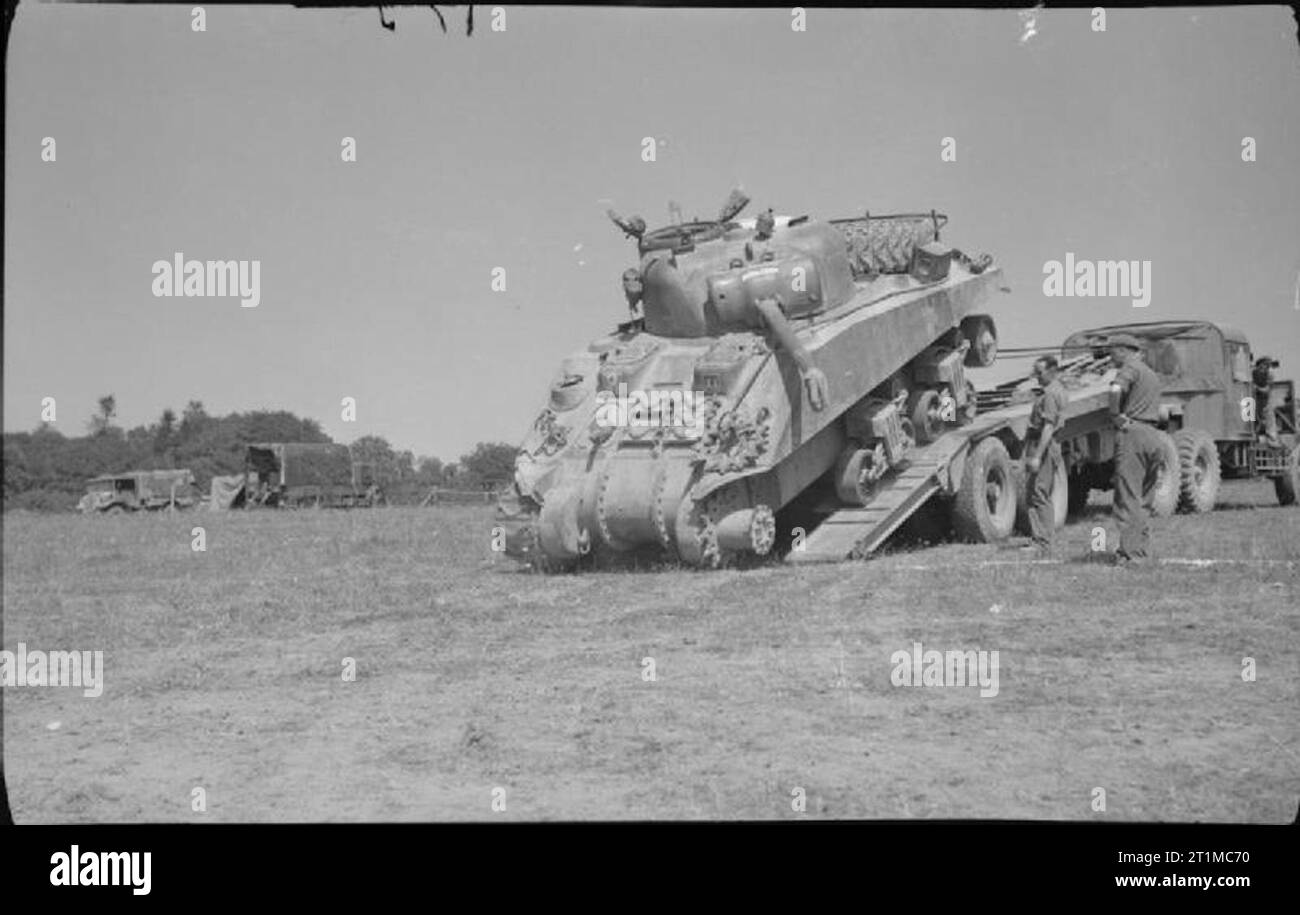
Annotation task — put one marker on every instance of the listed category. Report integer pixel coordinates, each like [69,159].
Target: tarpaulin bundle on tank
[884,244]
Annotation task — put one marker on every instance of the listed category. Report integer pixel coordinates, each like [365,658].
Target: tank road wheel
[971,410]
[984,510]
[852,483]
[1198,462]
[1164,495]
[697,535]
[749,531]
[1288,483]
[924,412]
[723,526]
[1060,498]
[909,431]
[983,337]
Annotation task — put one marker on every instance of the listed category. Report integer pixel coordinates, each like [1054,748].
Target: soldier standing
[1043,454]
[1139,450]
[1264,415]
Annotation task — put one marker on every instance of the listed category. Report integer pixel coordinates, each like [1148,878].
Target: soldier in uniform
[633,290]
[1043,454]
[1264,415]
[1139,450]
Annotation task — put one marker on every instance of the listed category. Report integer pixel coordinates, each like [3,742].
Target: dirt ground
[224,671]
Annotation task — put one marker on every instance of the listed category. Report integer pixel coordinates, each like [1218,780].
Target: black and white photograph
[551,414]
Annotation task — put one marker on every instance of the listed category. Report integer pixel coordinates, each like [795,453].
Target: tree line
[45,470]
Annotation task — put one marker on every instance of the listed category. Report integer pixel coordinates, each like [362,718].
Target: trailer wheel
[1288,483]
[984,510]
[1198,463]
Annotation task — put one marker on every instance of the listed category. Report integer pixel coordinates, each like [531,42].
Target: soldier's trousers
[1042,517]
[1265,417]
[1138,455]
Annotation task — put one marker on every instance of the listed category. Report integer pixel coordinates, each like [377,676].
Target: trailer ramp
[859,531]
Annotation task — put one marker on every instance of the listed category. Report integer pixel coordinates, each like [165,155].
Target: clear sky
[503,150]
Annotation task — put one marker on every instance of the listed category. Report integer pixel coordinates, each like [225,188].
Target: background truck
[299,474]
[1208,410]
[139,489]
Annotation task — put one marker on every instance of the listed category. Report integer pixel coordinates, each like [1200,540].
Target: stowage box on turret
[761,356]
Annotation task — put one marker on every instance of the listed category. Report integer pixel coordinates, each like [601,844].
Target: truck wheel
[1164,495]
[1286,485]
[1198,463]
[984,510]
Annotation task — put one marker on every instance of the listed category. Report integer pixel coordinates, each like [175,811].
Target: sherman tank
[761,357]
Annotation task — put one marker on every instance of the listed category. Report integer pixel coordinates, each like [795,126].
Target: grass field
[223,670]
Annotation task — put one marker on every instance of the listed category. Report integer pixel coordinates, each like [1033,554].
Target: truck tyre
[1164,495]
[1060,498]
[984,510]
[1286,485]
[1198,468]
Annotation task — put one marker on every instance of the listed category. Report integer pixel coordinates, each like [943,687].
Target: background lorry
[138,489]
[297,474]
